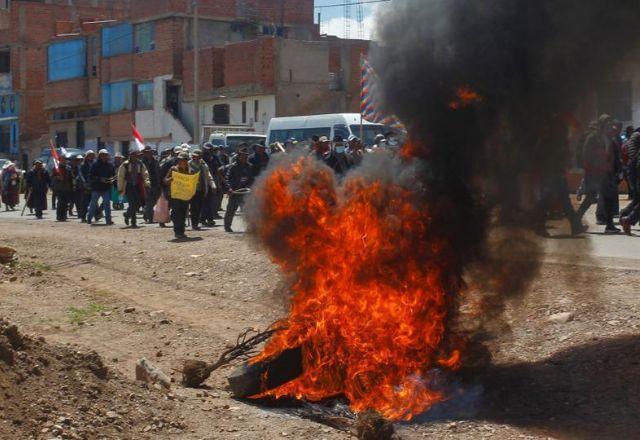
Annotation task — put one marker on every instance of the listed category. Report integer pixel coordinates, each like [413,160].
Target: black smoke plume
[529,64]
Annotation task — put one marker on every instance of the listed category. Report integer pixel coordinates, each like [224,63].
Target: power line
[339,5]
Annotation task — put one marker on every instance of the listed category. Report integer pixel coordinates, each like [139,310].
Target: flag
[54,155]
[138,138]
[371,101]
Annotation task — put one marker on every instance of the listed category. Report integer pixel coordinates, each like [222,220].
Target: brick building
[81,72]
[26,27]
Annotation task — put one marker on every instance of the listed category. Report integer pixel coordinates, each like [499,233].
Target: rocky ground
[568,368]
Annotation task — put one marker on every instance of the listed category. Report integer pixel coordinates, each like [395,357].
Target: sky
[333,18]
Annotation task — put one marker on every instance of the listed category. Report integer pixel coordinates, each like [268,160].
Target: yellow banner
[183,186]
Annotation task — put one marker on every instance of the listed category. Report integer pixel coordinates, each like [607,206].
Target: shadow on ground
[585,392]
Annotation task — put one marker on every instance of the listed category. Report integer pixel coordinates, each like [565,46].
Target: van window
[369,132]
[342,131]
[298,134]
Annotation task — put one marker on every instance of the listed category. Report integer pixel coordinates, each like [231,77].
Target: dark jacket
[101,175]
[338,162]
[239,176]
[153,167]
[38,183]
[85,175]
[62,178]
[259,162]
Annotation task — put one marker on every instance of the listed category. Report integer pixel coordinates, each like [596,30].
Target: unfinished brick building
[82,71]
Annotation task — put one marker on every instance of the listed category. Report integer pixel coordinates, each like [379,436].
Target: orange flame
[372,293]
[465,97]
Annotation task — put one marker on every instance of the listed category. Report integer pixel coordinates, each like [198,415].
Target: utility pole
[196,75]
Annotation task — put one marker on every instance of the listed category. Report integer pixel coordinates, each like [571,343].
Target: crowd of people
[610,156]
[94,184]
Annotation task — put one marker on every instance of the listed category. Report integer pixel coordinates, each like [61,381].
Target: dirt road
[555,376]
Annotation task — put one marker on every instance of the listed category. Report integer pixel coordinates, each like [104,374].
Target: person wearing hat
[204,188]
[153,192]
[239,178]
[84,182]
[103,174]
[601,168]
[165,167]
[337,158]
[321,148]
[133,179]
[259,159]
[10,184]
[37,185]
[355,150]
[214,199]
[179,208]
[62,185]
[78,190]
[380,142]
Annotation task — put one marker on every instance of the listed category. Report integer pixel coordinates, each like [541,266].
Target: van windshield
[299,134]
[234,141]
[369,133]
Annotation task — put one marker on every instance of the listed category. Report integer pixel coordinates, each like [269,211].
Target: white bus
[303,128]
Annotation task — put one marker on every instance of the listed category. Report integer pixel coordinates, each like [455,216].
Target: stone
[129,309]
[561,318]
[147,372]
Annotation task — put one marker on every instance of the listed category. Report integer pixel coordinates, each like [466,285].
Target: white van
[303,128]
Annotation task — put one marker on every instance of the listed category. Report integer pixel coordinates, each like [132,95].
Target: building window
[221,114]
[117,97]
[145,37]
[144,96]
[67,60]
[615,99]
[4,4]
[244,112]
[117,40]
[256,110]
[5,62]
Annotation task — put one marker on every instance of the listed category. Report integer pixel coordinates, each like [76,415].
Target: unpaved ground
[578,379]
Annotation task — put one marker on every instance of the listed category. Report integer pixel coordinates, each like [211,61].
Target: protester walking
[240,176]
[62,183]
[259,159]
[84,184]
[38,182]
[10,184]
[153,192]
[211,203]
[337,158]
[133,180]
[179,208]
[601,165]
[103,174]
[204,187]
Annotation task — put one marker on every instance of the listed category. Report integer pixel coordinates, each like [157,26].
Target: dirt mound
[49,391]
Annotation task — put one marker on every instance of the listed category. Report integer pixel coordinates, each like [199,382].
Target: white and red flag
[54,154]
[138,138]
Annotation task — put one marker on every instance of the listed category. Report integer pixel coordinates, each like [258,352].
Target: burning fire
[465,96]
[374,287]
